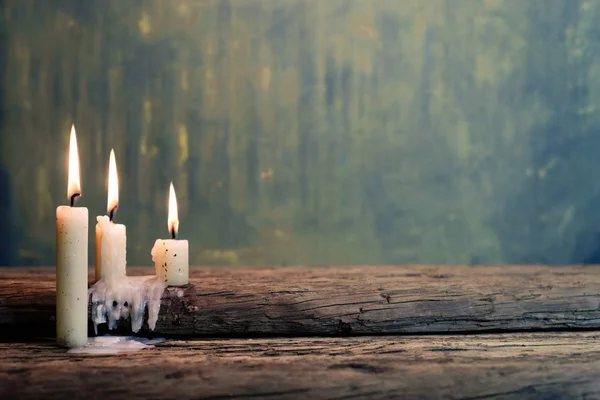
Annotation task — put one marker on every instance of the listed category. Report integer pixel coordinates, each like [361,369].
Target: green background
[309,132]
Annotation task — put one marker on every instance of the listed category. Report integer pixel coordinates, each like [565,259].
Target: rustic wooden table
[340,332]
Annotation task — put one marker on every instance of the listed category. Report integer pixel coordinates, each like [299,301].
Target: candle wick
[112,213]
[173,234]
[73,198]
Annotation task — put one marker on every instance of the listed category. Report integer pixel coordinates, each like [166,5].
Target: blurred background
[308,131]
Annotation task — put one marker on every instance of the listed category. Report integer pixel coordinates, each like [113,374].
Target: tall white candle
[72,261]
[111,238]
[171,256]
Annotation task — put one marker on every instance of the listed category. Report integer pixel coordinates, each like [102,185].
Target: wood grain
[501,366]
[296,301]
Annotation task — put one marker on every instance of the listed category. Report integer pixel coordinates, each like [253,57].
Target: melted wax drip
[126,297]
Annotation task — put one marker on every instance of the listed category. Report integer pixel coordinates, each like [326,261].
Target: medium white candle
[171,256]
[111,238]
[72,261]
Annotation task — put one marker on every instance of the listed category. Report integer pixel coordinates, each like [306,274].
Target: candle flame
[74,179]
[113,184]
[173,218]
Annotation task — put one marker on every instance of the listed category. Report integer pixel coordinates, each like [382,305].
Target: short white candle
[72,261]
[171,256]
[111,238]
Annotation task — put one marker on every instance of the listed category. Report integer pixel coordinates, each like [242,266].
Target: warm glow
[173,218]
[113,184]
[74,186]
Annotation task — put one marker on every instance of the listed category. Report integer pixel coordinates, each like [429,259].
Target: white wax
[126,297]
[171,261]
[115,344]
[111,249]
[71,276]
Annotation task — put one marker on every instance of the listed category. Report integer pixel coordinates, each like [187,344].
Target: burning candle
[170,256]
[72,261]
[111,238]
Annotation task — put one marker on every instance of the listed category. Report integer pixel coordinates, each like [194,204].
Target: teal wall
[309,132]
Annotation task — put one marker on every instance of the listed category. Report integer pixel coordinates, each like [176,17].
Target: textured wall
[309,132]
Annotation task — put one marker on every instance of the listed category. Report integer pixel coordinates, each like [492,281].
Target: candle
[72,261]
[170,256]
[111,238]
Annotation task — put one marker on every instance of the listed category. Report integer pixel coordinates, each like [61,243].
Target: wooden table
[339,332]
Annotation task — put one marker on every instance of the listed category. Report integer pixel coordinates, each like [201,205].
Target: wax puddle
[115,345]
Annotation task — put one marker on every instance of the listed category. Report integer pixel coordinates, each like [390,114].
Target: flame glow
[113,184]
[74,179]
[173,218]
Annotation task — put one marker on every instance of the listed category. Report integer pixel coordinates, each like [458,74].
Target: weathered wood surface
[298,301]
[502,366]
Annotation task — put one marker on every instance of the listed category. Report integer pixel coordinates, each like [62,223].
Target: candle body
[98,268]
[171,260]
[111,249]
[71,276]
